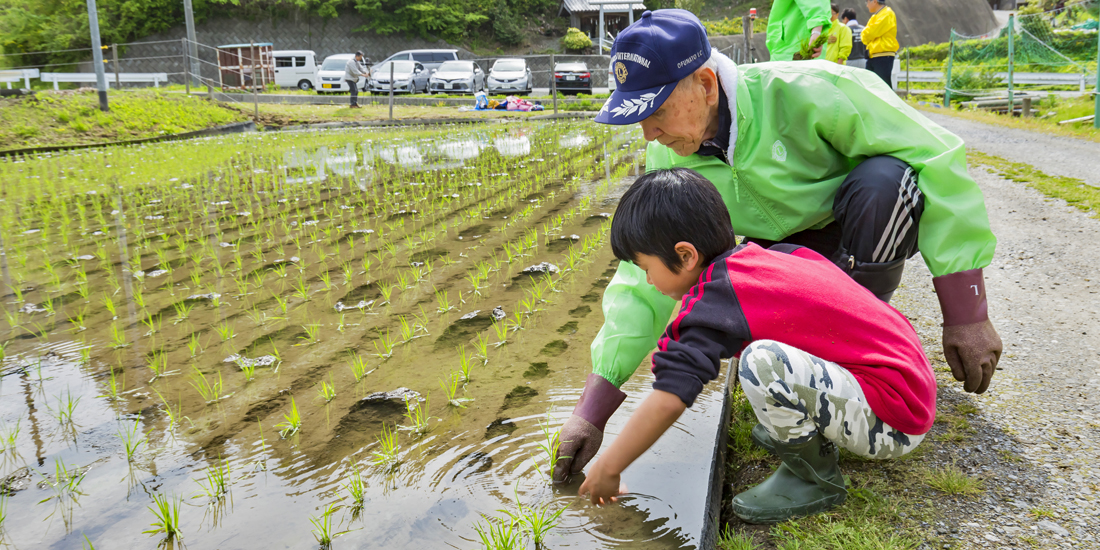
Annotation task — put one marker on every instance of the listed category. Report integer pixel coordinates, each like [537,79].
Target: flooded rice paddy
[369,336]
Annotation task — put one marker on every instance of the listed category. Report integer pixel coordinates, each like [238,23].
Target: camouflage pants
[796,395]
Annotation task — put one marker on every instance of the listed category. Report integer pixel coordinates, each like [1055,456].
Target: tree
[574,39]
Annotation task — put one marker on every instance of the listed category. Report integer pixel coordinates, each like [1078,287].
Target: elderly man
[809,153]
[352,71]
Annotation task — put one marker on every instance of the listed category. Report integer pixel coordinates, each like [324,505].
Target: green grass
[52,119]
[1051,112]
[1074,191]
[728,539]
[951,480]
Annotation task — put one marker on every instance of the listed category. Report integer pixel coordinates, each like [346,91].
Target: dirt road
[1036,442]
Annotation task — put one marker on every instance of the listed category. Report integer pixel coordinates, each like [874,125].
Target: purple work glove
[970,343]
[582,434]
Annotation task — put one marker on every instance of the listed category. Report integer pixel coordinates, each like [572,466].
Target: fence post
[1096,92]
[255,96]
[553,84]
[947,77]
[746,32]
[114,56]
[908,93]
[1011,54]
[97,57]
[186,72]
[391,89]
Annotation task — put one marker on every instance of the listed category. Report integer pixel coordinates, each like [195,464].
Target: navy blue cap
[648,59]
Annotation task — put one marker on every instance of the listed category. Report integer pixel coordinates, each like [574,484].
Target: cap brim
[631,107]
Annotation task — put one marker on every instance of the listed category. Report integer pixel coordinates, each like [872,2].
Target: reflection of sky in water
[405,156]
[459,150]
[574,141]
[513,147]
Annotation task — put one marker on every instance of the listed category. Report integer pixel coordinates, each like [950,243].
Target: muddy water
[254,247]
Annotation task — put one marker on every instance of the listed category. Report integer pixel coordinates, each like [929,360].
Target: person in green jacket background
[815,154]
[793,21]
[839,44]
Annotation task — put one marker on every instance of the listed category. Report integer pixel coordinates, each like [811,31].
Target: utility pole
[1011,54]
[1096,93]
[97,57]
[192,45]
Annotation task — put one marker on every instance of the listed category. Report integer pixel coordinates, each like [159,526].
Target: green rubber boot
[808,482]
[762,438]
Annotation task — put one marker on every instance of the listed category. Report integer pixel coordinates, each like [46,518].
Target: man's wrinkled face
[681,123]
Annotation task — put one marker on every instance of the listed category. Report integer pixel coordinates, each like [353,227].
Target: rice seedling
[326,279]
[313,331]
[408,330]
[292,421]
[481,345]
[387,291]
[174,414]
[193,345]
[280,270]
[327,390]
[217,482]
[356,488]
[517,321]
[358,367]
[77,321]
[209,389]
[387,455]
[283,302]
[501,329]
[158,363]
[118,338]
[224,330]
[114,387]
[464,363]
[301,289]
[322,528]
[348,271]
[65,481]
[443,302]
[450,387]
[8,436]
[131,440]
[534,521]
[151,322]
[166,513]
[550,445]
[416,412]
[499,535]
[183,311]
[384,345]
[65,408]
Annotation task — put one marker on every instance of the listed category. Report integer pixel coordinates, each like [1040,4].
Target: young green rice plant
[283,302]
[443,302]
[196,278]
[166,513]
[8,436]
[500,328]
[158,363]
[65,408]
[225,330]
[115,385]
[348,271]
[481,345]
[408,329]
[499,535]
[356,488]
[217,482]
[416,412]
[384,345]
[389,447]
[292,421]
[517,321]
[118,337]
[194,345]
[366,266]
[77,321]
[322,528]
[132,439]
[249,370]
[475,281]
[174,414]
[312,335]
[65,481]
[464,363]
[535,521]
[151,322]
[139,298]
[280,270]
[209,389]
[387,291]
[450,387]
[109,304]
[358,367]
[183,311]
[327,391]
[326,279]
[550,445]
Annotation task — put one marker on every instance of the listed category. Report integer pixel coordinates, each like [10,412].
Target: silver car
[408,76]
[458,76]
[509,76]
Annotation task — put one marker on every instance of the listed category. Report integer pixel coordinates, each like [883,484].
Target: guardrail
[155,78]
[1038,79]
[16,75]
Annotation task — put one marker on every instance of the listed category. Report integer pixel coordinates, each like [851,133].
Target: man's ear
[689,256]
[709,81]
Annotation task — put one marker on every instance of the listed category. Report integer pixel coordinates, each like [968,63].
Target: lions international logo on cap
[620,72]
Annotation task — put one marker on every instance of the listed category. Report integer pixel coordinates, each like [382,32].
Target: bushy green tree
[574,39]
[506,26]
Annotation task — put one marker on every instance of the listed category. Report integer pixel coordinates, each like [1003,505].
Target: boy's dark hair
[665,207]
[835,7]
[849,14]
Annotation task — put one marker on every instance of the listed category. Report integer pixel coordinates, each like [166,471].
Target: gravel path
[1052,154]
[1037,439]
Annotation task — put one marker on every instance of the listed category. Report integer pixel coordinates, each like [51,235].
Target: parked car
[509,76]
[295,69]
[331,74]
[408,76]
[572,78]
[458,76]
[431,59]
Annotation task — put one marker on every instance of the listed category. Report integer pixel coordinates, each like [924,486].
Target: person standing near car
[352,71]
[880,36]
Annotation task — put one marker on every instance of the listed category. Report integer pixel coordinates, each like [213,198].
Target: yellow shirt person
[881,34]
[839,44]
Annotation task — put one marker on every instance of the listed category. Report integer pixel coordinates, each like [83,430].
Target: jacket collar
[728,76]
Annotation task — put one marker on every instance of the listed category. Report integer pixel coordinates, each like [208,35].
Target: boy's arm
[654,416]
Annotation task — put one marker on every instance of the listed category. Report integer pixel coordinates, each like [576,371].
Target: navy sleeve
[709,327]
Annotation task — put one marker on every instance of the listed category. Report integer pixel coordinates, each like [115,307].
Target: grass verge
[1050,112]
[71,118]
[285,115]
[1072,190]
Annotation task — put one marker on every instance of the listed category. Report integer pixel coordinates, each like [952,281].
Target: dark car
[573,78]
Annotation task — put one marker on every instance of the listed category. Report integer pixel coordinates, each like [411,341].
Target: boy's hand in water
[601,487]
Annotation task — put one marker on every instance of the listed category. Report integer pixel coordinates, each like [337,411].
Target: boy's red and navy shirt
[794,295]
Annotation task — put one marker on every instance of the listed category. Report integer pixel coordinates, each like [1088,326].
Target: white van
[296,69]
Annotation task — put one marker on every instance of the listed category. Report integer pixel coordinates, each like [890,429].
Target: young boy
[822,360]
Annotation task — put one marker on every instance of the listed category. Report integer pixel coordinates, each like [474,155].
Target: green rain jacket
[791,21]
[800,127]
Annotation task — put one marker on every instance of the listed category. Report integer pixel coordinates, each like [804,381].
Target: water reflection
[512,146]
